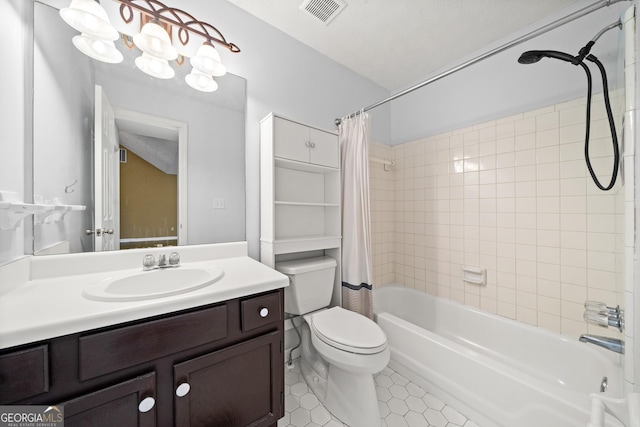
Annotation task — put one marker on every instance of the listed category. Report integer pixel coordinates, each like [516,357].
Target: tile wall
[512,196]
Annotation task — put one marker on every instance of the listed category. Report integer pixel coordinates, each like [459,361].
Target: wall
[286,77]
[500,86]
[12,167]
[282,75]
[62,162]
[511,196]
[382,200]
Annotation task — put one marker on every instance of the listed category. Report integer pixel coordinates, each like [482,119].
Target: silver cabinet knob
[183,389]
[264,312]
[147,404]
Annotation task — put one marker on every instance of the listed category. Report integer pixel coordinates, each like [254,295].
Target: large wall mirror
[142,161]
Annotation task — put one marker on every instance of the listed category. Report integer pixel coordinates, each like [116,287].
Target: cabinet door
[291,140]
[128,404]
[324,148]
[236,387]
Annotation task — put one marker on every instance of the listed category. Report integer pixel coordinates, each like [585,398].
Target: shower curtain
[357,272]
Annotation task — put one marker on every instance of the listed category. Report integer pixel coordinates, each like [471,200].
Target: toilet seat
[349,331]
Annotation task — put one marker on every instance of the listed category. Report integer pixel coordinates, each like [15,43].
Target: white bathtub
[496,371]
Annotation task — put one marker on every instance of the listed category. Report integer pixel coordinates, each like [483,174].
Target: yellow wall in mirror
[148,203]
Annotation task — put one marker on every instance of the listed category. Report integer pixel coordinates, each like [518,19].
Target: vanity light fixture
[166,35]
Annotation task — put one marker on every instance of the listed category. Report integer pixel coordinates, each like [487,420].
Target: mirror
[190,143]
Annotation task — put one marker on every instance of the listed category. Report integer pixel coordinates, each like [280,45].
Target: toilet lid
[349,331]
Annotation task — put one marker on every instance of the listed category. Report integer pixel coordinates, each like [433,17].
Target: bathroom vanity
[210,357]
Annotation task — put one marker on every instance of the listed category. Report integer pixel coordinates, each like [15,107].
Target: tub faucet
[612,344]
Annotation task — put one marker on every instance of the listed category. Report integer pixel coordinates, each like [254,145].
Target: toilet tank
[310,283]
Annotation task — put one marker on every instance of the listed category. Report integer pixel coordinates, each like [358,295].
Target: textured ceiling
[395,43]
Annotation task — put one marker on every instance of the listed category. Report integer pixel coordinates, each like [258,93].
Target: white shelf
[303,166]
[11,213]
[305,243]
[326,205]
[59,210]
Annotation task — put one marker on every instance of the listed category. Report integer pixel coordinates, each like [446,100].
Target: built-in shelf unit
[300,193]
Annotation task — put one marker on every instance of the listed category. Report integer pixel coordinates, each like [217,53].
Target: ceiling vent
[323,10]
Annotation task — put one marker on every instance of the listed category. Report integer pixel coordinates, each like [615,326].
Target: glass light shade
[201,81]
[154,40]
[207,61]
[88,17]
[102,50]
[154,66]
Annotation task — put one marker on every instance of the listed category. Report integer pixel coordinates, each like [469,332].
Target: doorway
[153,190]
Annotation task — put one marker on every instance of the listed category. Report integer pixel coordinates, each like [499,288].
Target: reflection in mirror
[181,180]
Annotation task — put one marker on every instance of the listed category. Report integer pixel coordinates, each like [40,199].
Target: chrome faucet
[149,261]
[598,313]
[612,344]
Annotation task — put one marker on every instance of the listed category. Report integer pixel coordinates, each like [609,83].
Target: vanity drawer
[261,310]
[116,349]
[24,373]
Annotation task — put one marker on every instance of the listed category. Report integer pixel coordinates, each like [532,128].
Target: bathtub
[496,371]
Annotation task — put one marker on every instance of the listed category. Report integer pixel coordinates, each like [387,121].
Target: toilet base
[351,397]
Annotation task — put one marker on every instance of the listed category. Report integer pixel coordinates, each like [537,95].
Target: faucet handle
[596,318]
[596,307]
[598,313]
[174,258]
[148,262]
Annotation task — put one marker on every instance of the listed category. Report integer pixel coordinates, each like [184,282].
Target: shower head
[533,56]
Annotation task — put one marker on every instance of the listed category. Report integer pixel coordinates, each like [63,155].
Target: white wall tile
[512,196]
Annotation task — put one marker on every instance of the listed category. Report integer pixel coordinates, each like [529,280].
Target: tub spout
[612,344]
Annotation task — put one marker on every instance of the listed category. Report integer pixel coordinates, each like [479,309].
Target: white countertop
[47,301]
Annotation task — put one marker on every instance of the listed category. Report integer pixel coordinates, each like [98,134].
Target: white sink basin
[136,285]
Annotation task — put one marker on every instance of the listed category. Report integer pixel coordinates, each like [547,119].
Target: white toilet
[341,350]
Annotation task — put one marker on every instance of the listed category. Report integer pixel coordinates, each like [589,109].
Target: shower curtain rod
[555,24]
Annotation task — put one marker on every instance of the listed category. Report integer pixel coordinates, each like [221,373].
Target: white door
[106,176]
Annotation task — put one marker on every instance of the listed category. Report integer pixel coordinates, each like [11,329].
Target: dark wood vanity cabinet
[220,365]
[117,405]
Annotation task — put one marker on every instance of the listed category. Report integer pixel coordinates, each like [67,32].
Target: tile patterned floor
[402,404]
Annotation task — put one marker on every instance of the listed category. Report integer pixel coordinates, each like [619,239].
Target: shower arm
[587,48]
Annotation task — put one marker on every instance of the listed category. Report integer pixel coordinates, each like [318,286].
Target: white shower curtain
[357,271]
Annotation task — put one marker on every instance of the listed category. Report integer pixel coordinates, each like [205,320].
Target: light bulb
[207,61]
[154,40]
[154,66]
[200,81]
[88,17]
[102,50]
